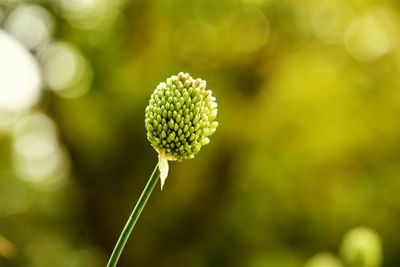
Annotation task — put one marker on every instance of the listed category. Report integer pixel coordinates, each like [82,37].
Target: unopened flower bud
[179,119]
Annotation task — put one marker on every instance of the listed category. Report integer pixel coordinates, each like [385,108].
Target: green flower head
[180,118]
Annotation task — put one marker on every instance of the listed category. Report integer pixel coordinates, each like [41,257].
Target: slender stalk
[112,262]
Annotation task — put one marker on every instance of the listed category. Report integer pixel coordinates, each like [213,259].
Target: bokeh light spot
[372,36]
[362,245]
[324,259]
[31,24]
[81,7]
[16,93]
[89,14]
[65,70]
[38,158]
[248,30]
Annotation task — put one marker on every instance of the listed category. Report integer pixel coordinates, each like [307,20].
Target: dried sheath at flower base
[179,119]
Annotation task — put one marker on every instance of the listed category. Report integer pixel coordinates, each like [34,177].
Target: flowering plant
[179,120]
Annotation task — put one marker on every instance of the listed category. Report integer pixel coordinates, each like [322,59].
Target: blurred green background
[307,148]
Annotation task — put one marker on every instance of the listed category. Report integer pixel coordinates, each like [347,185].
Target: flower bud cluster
[180,117]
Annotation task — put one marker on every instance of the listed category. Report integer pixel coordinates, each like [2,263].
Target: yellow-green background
[308,143]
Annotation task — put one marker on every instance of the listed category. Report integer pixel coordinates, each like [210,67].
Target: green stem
[112,262]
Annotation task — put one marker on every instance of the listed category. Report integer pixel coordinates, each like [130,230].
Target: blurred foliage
[307,148]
